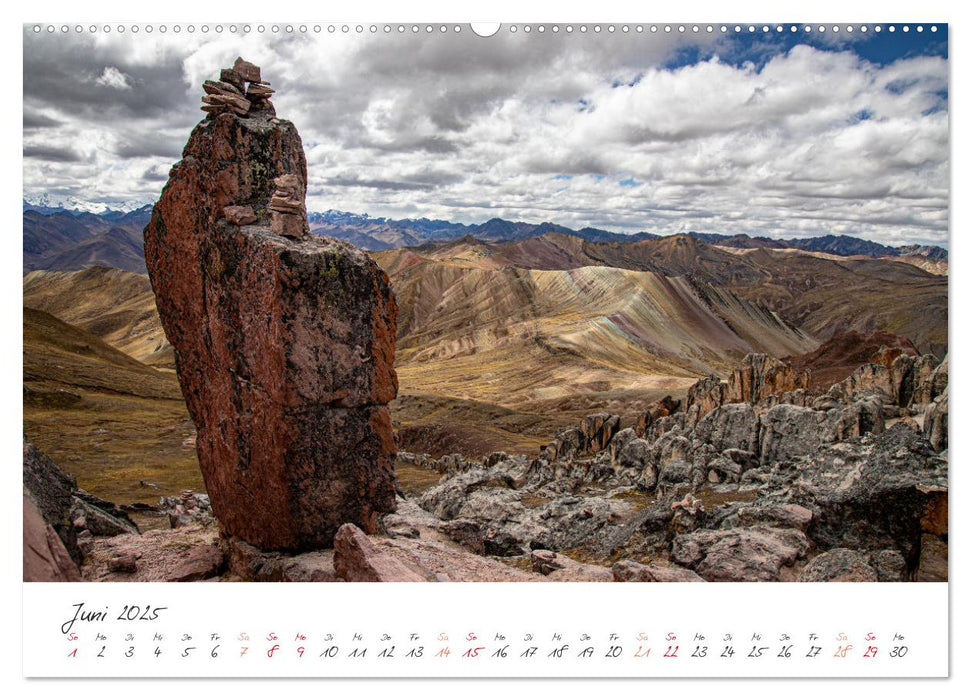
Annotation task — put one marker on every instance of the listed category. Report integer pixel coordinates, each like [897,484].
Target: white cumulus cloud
[621,132]
[112,77]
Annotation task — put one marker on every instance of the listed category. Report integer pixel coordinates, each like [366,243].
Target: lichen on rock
[284,345]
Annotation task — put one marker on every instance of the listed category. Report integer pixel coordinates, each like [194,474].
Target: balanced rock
[218,87]
[228,75]
[288,214]
[237,103]
[227,93]
[246,70]
[241,216]
[284,348]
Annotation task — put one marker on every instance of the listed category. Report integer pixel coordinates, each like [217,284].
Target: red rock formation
[357,559]
[759,376]
[284,348]
[45,556]
[598,429]
[756,378]
[839,356]
[659,409]
[704,396]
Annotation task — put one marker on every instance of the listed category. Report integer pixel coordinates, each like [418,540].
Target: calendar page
[513,350]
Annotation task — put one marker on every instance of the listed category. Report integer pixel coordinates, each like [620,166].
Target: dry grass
[440,425]
[414,480]
[105,418]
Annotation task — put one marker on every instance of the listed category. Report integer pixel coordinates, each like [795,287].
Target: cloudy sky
[780,134]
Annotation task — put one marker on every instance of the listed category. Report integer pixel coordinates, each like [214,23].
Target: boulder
[732,426]
[671,447]
[637,456]
[674,423]
[494,458]
[838,565]
[739,554]
[627,570]
[932,565]
[934,519]
[241,216]
[284,348]
[791,431]
[675,472]
[557,567]
[448,498]
[620,441]
[935,384]
[569,443]
[52,494]
[101,517]
[704,396]
[868,378]
[357,559]
[864,415]
[870,494]
[890,565]
[45,556]
[787,515]
[466,533]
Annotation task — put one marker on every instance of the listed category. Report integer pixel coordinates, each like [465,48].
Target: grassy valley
[119,426]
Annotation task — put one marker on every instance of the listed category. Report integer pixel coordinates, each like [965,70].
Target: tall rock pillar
[284,341]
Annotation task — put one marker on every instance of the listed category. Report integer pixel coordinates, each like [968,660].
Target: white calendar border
[603,10]
[480,630]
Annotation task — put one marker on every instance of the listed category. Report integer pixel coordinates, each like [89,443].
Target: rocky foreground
[753,479]
[849,486]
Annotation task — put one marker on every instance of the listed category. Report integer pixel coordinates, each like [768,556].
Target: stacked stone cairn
[241,90]
[287,210]
[232,94]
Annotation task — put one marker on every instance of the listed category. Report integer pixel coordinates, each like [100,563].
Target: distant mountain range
[381,233]
[384,234]
[65,240]
[46,204]
[74,237]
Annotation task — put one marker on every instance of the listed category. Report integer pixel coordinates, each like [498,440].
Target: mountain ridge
[382,233]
